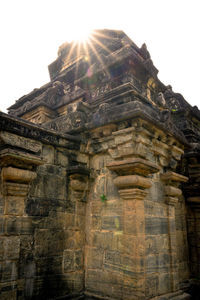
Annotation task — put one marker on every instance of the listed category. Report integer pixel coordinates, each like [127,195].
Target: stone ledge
[172,176]
[133,165]
[18,158]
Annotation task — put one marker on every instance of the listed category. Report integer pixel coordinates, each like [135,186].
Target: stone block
[130,225]
[111,189]
[48,242]
[151,245]
[151,285]
[116,261]
[9,295]
[96,207]
[165,262]
[9,271]
[70,206]
[55,221]
[2,225]
[2,247]
[39,207]
[133,245]
[164,285]
[80,208]
[94,258]
[152,264]
[69,220]
[68,261]
[99,185]
[13,225]
[100,283]
[11,247]
[48,265]
[156,192]
[121,139]
[111,223]
[21,142]
[156,225]
[74,281]
[98,162]
[73,239]
[48,154]
[49,185]
[14,205]
[96,222]
[134,283]
[27,226]
[155,209]
[62,158]
[80,222]
[105,240]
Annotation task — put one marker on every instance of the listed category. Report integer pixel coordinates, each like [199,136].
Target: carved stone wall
[134,222]
[42,216]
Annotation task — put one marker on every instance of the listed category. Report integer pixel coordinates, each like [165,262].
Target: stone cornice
[133,166]
[30,130]
[172,176]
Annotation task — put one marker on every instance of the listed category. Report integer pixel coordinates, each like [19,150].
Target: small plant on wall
[103,198]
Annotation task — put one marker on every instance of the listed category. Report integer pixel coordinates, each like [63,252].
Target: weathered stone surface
[95,171]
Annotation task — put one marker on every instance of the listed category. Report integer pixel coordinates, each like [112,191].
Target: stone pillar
[15,185]
[172,194]
[132,182]
[73,256]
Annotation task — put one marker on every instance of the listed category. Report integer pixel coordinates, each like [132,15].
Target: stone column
[15,185]
[172,194]
[132,182]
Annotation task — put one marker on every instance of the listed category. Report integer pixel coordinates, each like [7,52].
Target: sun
[80,35]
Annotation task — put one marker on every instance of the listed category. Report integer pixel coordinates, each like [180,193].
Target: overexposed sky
[32,30]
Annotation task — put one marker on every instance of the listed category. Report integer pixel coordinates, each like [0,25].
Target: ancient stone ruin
[100,188]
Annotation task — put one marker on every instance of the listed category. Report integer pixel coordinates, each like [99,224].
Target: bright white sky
[32,31]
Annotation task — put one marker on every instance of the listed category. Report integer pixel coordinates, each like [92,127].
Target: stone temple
[100,186]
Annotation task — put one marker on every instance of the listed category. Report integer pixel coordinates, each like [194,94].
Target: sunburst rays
[92,46]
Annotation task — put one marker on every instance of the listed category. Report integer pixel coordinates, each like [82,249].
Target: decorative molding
[172,192]
[172,176]
[133,166]
[132,180]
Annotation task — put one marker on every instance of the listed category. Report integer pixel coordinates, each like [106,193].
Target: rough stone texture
[99,189]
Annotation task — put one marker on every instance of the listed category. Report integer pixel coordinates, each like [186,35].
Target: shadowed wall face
[42,223]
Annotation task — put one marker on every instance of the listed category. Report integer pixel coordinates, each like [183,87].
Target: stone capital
[133,166]
[132,177]
[172,176]
[172,192]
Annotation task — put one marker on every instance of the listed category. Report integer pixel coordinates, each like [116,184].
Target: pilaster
[133,182]
[172,194]
[73,255]
[17,173]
